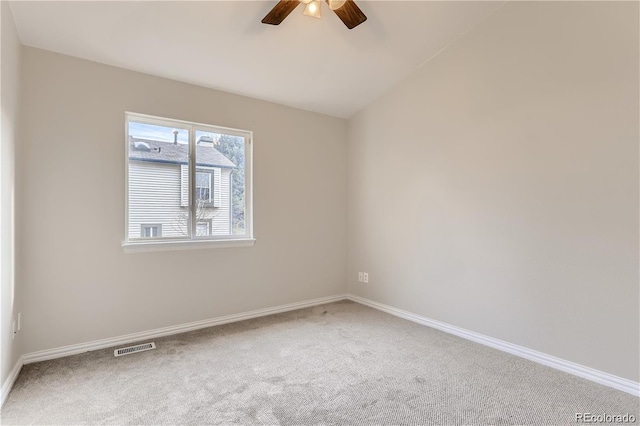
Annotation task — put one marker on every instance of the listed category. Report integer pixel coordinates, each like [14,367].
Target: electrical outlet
[19,321]
[365,277]
[360,277]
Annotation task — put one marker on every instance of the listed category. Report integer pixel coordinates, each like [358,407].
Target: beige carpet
[341,363]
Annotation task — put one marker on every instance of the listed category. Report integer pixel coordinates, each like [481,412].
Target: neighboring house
[159,189]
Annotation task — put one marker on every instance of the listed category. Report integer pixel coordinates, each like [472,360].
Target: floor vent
[133,349]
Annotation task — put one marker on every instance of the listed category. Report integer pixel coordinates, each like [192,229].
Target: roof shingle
[167,152]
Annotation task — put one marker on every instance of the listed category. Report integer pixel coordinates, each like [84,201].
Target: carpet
[335,364]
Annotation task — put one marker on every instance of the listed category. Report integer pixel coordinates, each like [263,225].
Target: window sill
[185,245]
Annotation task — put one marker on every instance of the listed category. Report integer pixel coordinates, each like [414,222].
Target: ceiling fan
[347,11]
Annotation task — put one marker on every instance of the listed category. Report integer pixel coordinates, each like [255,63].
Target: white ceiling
[313,64]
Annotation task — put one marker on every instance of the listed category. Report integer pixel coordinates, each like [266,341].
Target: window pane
[203,180]
[203,195]
[222,156]
[225,155]
[203,229]
[158,181]
[203,187]
[151,231]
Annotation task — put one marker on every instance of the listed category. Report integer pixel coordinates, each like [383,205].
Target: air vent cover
[132,349]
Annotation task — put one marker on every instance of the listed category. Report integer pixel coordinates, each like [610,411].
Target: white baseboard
[606,379]
[8,383]
[588,373]
[167,331]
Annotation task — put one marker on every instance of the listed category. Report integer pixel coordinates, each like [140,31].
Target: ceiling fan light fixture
[336,4]
[347,10]
[313,9]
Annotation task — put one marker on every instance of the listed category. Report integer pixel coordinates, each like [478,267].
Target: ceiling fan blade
[280,11]
[350,14]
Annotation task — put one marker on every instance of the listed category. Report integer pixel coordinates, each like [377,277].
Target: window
[203,228]
[187,182]
[203,186]
[151,231]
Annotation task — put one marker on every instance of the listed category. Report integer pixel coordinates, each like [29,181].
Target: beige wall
[496,188]
[80,286]
[10,296]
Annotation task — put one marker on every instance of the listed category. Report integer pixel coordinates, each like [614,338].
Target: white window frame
[192,241]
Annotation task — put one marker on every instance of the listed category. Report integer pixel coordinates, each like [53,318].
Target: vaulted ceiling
[313,64]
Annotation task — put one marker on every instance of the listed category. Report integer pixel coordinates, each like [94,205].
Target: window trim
[191,242]
[170,245]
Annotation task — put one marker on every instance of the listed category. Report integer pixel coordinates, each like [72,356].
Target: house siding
[156,196]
